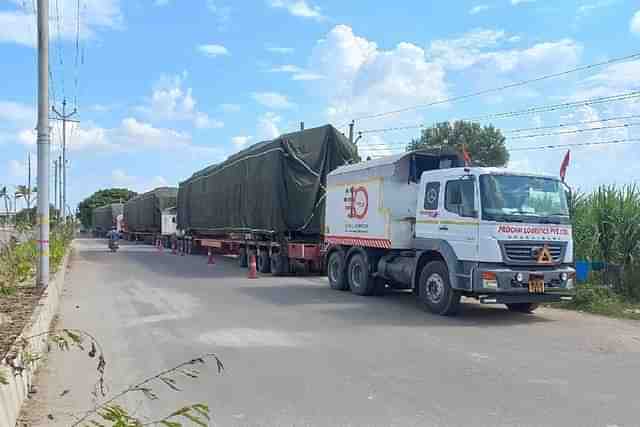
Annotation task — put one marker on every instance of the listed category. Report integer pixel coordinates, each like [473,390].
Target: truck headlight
[489,280]
[570,283]
[564,276]
[519,277]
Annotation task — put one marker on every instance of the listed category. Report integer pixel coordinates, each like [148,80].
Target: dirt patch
[15,313]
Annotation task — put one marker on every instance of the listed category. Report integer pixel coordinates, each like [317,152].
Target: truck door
[428,210]
[459,219]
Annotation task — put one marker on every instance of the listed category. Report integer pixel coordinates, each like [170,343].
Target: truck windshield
[522,198]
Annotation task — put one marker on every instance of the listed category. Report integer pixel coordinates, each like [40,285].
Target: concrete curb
[13,395]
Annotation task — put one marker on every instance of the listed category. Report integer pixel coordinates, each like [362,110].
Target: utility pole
[55,186]
[59,182]
[43,144]
[64,118]
[351,125]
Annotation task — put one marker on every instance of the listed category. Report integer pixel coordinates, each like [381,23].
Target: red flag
[565,165]
[466,156]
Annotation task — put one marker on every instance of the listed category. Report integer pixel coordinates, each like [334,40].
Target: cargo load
[272,188]
[143,213]
[106,217]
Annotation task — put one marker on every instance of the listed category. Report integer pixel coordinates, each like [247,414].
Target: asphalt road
[298,353]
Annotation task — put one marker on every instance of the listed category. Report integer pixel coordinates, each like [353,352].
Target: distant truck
[106,217]
[151,216]
[419,221]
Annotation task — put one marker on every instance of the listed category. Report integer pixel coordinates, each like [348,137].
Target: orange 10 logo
[356,202]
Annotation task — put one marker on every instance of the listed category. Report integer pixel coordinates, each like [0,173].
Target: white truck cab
[424,222]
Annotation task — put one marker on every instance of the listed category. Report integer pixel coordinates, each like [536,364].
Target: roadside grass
[602,301]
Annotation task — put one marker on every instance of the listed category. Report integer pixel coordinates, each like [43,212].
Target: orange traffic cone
[210,255]
[253,271]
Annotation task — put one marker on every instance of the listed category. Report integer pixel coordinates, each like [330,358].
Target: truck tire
[243,259]
[435,291]
[264,262]
[523,307]
[279,264]
[360,280]
[335,271]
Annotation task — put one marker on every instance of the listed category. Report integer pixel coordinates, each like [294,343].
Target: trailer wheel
[279,264]
[335,271]
[360,280]
[523,307]
[435,291]
[264,262]
[243,259]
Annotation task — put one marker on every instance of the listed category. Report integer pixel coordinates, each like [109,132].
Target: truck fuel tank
[397,268]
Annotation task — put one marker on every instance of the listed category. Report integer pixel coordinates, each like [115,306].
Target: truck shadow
[398,308]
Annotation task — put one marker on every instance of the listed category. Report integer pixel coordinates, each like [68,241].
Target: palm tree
[23,191]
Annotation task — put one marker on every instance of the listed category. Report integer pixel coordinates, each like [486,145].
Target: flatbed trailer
[277,258]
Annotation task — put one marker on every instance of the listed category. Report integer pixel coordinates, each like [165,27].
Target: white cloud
[120,178]
[18,25]
[267,127]
[518,2]
[213,50]
[634,26]
[230,108]
[287,68]
[281,50]
[16,113]
[479,8]
[514,39]
[482,47]
[17,169]
[361,78]
[273,100]
[298,8]
[621,77]
[171,101]
[588,8]
[221,13]
[307,76]
[240,141]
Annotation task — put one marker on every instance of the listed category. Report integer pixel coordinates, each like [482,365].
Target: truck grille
[527,252]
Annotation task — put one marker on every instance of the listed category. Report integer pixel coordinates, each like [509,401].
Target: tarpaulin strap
[306,166]
[313,213]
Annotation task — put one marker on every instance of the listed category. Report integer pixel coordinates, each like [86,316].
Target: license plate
[536,286]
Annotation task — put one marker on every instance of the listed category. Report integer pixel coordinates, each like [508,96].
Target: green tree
[101,198]
[485,144]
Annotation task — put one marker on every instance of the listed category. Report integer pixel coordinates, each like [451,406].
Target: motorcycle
[114,245]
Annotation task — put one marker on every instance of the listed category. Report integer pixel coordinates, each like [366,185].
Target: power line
[77,56]
[501,88]
[381,148]
[578,144]
[629,96]
[608,119]
[60,50]
[567,132]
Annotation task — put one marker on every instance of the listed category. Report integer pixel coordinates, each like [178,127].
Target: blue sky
[165,87]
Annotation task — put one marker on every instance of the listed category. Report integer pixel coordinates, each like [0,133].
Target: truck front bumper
[505,285]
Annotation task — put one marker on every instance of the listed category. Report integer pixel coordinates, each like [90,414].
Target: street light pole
[64,118]
[43,144]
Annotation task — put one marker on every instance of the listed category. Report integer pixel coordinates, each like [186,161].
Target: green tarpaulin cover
[105,217]
[271,187]
[143,213]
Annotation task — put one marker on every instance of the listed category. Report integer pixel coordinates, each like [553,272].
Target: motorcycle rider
[113,236]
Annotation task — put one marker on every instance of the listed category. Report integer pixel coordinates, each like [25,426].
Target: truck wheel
[435,291]
[360,281]
[279,264]
[264,262]
[335,271]
[523,307]
[243,259]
